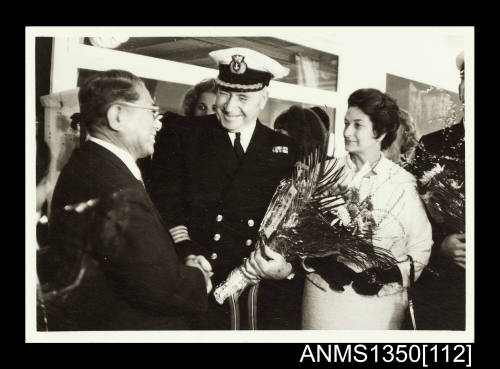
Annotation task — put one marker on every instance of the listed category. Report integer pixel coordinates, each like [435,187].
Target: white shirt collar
[123,155]
[383,165]
[246,135]
[380,167]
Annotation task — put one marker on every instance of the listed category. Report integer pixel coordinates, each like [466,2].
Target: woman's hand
[335,273]
[370,281]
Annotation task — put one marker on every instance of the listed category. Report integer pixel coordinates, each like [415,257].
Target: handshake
[262,263]
[338,275]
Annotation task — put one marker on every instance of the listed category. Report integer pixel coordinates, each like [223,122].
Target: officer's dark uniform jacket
[197,182]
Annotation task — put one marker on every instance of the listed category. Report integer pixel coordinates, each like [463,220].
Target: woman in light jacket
[338,295]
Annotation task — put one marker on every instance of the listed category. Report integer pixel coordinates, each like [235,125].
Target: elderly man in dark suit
[133,279]
[212,180]
[441,301]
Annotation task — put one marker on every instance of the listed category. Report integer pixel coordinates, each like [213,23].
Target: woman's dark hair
[191,98]
[102,89]
[305,127]
[382,110]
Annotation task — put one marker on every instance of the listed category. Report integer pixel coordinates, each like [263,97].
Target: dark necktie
[238,149]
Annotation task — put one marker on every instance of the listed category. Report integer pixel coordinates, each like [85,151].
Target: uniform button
[219,218]
[251,222]
[248,243]
[216,237]
[214,256]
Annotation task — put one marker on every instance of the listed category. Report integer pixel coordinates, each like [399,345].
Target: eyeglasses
[154,108]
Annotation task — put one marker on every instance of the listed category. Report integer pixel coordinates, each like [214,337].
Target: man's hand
[200,262]
[268,264]
[453,247]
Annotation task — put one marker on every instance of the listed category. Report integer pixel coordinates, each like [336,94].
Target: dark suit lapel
[133,182]
[223,150]
[154,211]
[111,158]
[259,145]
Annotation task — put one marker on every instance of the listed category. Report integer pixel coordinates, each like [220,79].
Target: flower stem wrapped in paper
[308,217]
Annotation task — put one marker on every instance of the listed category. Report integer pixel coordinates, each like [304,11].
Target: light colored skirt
[324,308]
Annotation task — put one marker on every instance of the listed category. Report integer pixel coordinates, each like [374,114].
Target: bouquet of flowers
[442,188]
[440,170]
[313,215]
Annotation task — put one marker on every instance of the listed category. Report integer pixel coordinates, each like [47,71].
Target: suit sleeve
[143,267]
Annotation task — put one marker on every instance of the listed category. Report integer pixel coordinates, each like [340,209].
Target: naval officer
[212,180]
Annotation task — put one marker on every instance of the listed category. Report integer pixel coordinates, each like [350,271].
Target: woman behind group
[200,99]
[304,126]
[339,295]
[402,150]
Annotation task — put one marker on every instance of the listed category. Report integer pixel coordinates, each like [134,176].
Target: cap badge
[238,65]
